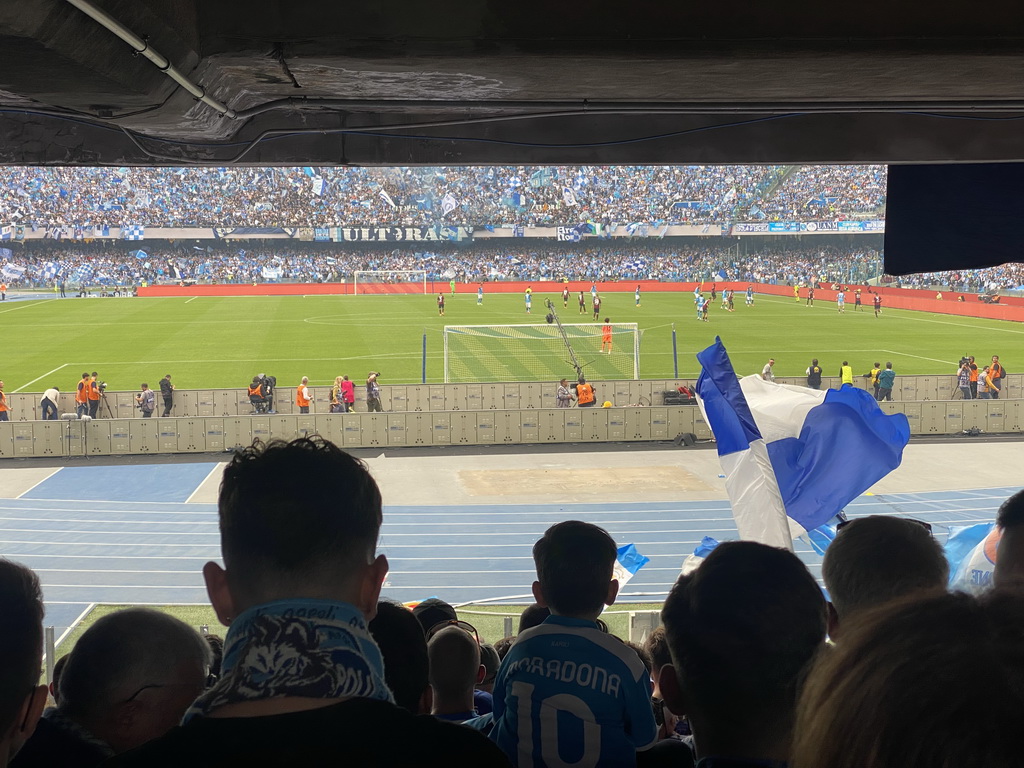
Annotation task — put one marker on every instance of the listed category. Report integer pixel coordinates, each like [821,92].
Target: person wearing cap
[433,611]
[373,393]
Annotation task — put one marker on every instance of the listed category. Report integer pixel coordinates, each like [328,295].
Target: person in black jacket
[814,375]
[167,392]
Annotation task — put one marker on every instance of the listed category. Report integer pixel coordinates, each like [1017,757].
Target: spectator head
[574,569]
[58,670]
[889,366]
[656,645]
[532,615]
[305,379]
[402,644]
[814,361]
[877,365]
[931,681]
[581,380]
[875,560]
[502,646]
[216,643]
[132,675]
[455,669]
[1009,568]
[741,631]
[433,611]
[21,651]
[297,520]
[643,655]
[489,658]
[846,362]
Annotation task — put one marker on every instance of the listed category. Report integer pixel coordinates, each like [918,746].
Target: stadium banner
[403,234]
[806,227]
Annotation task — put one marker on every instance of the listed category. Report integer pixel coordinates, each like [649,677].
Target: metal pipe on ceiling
[161,62]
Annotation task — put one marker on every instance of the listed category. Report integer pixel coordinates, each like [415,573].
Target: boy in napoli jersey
[568,693]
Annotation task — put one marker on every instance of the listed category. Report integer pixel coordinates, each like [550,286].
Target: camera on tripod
[963,360]
[101,386]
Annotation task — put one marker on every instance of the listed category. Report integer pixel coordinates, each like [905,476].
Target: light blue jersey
[569,694]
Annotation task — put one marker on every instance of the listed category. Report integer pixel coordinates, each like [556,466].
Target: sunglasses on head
[463,625]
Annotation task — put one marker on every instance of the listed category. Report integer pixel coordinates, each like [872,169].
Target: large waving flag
[971,552]
[791,453]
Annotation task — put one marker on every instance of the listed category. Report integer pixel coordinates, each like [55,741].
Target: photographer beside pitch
[146,401]
[373,393]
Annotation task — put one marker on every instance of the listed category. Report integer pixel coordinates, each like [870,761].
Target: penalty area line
[48,373]
[919,357]
[192,299]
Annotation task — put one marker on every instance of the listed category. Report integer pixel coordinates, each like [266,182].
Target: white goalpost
[484,353]
[408,280]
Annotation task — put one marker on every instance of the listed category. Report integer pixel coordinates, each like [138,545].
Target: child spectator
[566,670]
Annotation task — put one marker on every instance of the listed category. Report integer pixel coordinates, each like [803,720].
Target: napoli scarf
[310,648]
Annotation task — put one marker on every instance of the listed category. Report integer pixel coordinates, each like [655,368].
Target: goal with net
[479,353]
[389,281]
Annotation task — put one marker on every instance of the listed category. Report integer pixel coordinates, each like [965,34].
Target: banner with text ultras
[805,227]
[402,234]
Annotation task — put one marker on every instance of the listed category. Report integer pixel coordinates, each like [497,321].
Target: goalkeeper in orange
[606,336]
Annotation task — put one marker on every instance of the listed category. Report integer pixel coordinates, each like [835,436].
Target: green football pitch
[223,342]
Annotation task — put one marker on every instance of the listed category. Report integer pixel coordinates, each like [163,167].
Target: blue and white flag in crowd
[448,204]
[569,197]
[318,185]
[387,198]
[102,231]
[13,271]
[133,232]
[6,253]
[49,270]
[793,453]
[627,563]
[140,254]
[692,562]
[6,232]
[971,552]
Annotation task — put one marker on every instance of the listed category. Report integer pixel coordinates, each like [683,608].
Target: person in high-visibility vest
[82,395]
[94,395]
[846,373]
[302,397]
[3,291]
[585,397]
[4,410]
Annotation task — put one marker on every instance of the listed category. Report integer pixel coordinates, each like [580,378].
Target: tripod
[103,402]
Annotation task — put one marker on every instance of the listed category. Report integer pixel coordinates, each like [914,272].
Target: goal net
[389,281]
[479,353]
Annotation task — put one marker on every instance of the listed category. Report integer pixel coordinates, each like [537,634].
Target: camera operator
[146,400]
[373,393]
[963,378]
[167,392]
[96,387]
[268,384]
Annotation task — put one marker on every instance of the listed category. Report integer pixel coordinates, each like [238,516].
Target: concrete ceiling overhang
[479,81]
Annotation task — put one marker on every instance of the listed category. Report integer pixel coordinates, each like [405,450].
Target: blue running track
[127,535]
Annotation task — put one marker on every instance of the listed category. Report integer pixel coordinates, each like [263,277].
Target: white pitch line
[921,357]
[192,299]
[29,303]
[41,377]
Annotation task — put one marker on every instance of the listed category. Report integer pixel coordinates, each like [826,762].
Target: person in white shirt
[48,403]
[767,373]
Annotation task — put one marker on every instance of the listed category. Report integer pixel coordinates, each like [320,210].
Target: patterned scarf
[310,648]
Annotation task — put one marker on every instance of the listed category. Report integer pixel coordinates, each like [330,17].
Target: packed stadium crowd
[471,196]
[41,264]
[316,667]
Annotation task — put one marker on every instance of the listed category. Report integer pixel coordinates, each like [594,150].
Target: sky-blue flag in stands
[971,552]
[628,562]
[792,453]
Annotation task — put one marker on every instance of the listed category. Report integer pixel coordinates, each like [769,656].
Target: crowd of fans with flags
[42,263]
[89,197]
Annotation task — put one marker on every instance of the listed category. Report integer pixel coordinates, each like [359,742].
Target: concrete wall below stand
[102,437]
